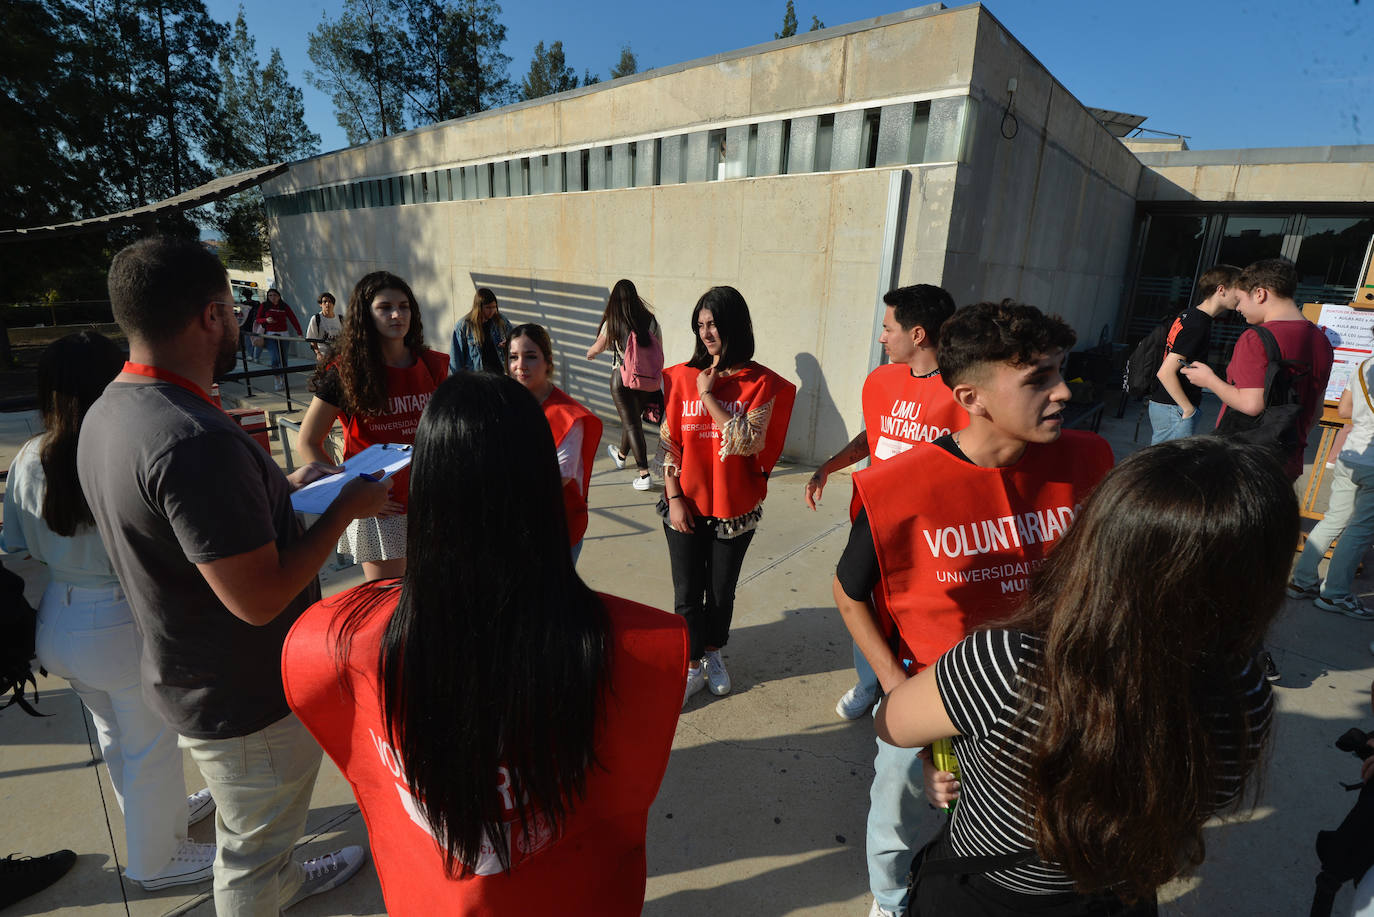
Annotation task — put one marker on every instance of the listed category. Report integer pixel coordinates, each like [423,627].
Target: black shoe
[24,876]
[1271,671]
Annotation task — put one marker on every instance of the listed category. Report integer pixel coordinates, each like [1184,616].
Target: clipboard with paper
[388,458]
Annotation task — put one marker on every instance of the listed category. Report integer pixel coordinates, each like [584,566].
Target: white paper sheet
[388,458]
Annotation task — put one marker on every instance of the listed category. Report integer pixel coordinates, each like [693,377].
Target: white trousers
[88,637]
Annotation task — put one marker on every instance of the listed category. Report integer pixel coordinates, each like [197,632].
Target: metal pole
[889,267]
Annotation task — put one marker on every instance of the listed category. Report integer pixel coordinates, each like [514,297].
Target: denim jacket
[466,353]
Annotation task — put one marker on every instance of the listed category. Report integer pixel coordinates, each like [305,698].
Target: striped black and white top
[981,682]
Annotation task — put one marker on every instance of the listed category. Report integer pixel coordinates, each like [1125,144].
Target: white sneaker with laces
[855,702]
[200,805]
[878,911]
[642,482]
[716,677]
[696,680]
[191,863]
[323,873]
[1349,605]
[615,455]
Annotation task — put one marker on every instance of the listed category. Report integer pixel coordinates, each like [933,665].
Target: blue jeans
[1167,422]
[1350,518]
[894,815]
[868,679]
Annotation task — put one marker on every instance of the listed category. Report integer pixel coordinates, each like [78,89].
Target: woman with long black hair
[631,332]
[1122,706]
[86,631]
[376,385]
[723,430]
[504,728]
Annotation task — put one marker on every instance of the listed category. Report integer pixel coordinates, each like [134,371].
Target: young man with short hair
[1174,400]
[198,522]
[904,403]
[1265,297]
[950,531]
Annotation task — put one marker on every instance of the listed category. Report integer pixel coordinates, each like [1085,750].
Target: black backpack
[1143,363]
[1277,425]
[18,622]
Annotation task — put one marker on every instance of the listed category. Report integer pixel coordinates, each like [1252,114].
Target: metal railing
[283,369]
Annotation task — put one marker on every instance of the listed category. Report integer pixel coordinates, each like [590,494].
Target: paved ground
[762,810]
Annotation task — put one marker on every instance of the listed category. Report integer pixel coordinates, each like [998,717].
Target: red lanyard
[166,375]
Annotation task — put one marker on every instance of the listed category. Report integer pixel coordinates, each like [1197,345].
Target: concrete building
[813,174]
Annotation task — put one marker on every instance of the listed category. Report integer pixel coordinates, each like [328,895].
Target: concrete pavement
[762,809]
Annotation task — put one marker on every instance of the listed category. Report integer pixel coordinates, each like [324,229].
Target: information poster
[1351,332]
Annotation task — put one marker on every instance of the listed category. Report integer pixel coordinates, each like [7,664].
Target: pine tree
[456,65]
[361,64]
[627,64]
[549,72]
[816,24]
[789,22]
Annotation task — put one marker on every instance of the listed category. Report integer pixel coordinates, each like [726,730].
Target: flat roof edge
[1259,155]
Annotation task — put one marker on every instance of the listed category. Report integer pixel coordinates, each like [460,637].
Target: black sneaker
[1295,591]
[1271,671]
[24,876]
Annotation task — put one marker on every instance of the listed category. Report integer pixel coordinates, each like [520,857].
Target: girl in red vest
[576,430]
[377,384]
[724,422]
[504,728]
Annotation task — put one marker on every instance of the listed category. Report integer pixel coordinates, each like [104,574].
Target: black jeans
[705,572]
[629,404]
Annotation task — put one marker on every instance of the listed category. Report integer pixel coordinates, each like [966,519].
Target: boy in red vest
[904,403]
[950,531]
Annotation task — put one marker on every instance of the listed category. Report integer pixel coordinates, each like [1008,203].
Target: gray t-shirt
[172,481]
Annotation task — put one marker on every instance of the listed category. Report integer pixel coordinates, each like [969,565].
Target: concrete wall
[1045,217]
[1331,174]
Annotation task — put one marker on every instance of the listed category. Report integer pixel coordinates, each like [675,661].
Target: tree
[789,22]
[627,64]
[486,79]
[456,66]
[361,64]
[549,72]
[588,78]
[816,24]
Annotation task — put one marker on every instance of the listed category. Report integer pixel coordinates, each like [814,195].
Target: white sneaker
[200,805]
[191,863]
[615,455]
[855,702]
[876,911]
[327,872]
[696,680]
[642,482]
[716,677]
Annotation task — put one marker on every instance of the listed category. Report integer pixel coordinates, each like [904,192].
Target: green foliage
[627,64]
[261,114]
[549,73]
[789,22]
[361,65]
[456,67]
[816,24]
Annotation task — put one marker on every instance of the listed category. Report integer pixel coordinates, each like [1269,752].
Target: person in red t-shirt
[377,385]
[576,430]
[503,728]
[1266,290]
[950,532]
[904,402]
[273,320]
[724,422]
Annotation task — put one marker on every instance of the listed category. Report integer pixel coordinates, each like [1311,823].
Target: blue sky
[1239,73]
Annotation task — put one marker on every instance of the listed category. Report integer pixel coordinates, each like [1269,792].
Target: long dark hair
[497,653]
[1157,597]
[362,373]
[731,314]
[627,314]
[72,372]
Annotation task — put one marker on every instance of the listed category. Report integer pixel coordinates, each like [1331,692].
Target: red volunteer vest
[562,412]
[733,486]
[407,392]
[956,542]
[901,410]
[596,867]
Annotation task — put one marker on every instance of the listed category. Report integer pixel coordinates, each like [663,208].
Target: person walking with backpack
[1349,512]
[632,333]
[1174,401]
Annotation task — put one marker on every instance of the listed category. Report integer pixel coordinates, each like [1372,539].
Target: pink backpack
[642,367]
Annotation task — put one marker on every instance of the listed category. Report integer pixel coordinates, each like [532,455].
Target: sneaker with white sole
[696,680]
[717,679]
[200,805]
[1295,591]
[616,456]
[855,702]
[324,873]
[878,910]
[642,482]
[191,863]
[1348,605]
